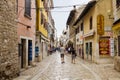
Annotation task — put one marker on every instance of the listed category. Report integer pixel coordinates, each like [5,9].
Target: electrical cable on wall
[49,8]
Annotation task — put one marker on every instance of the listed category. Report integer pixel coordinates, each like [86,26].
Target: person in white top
[62,52]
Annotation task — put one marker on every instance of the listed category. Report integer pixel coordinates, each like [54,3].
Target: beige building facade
[70,24]
[96,30]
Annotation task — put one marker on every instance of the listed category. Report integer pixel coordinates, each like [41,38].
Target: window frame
[81,26]
[91,22]
[117,3]
[27,12]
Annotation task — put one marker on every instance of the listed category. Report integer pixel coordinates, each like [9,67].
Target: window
[28,8]
[17,6]
[77,30]
[78,40]
[45,24]
[90,48]
[90,22]
[86,48]
[81,26]
[42,18]
[117,3]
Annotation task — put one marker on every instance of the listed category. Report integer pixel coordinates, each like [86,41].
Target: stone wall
[9,66]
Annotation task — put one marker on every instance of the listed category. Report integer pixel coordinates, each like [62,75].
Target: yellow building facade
[41,29]
[42,17]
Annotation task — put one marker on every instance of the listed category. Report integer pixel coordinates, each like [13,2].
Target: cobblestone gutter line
[96,76]
[37,76]
[85,66]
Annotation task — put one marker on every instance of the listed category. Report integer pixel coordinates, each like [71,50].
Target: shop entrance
[23,53]
[118,45]
[29,51]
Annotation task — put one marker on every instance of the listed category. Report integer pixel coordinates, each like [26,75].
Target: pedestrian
[62,52]
[48,50]
[73,55]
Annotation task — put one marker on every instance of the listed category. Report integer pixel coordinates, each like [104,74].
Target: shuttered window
[42,18]
[90,48]
[81,26]
[28,8]
[90,23]
[17,6]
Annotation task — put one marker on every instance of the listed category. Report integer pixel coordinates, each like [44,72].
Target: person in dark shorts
[73,55]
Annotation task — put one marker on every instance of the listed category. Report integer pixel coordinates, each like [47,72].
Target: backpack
[68,49]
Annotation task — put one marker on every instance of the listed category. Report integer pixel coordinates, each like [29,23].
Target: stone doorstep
[114,79]
[86,79]
[66,79]
[22,78]
[76,79]
[28,67]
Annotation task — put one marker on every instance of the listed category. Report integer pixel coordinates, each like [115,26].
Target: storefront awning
[91,33]
[116,26]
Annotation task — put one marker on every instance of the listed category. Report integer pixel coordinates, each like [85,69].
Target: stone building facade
[9,66]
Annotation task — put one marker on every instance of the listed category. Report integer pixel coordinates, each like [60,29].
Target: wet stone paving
[51,68]
[66,71]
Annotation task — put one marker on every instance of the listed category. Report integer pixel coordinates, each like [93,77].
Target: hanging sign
[100,24]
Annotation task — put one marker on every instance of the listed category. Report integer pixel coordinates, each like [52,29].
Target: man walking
[62,52]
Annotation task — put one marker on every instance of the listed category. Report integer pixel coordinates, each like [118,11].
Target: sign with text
[100,24]
[104,46]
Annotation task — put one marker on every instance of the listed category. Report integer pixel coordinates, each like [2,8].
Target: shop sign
[104,46]
[100,24]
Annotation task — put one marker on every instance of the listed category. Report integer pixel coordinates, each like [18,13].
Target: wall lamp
[109,12]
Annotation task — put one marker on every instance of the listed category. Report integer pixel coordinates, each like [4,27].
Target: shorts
[73,57]
[62,55]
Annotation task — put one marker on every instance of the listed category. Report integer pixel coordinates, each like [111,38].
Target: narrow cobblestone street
[35,35]
[52,69]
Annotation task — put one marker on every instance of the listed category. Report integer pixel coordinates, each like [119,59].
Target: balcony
[43,31]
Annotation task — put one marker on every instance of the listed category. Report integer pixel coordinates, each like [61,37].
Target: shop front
[104,46]
[116,30]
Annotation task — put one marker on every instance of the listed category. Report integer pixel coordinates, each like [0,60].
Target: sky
[60,15]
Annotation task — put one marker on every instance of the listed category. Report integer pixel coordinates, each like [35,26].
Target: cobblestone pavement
[52,69]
